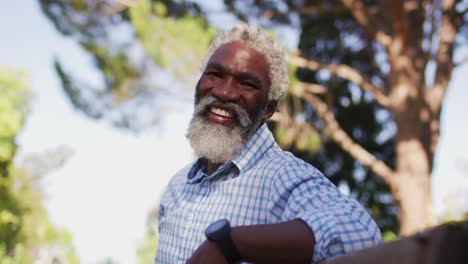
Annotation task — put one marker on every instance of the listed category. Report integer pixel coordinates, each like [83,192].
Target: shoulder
[285,164]
[173,188]
[290,174]
[181,175]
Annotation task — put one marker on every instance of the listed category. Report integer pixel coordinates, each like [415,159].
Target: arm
[339,223]
[287,242]
[312,220]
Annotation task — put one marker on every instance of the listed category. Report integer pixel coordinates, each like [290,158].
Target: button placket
[189,223]
[205,191]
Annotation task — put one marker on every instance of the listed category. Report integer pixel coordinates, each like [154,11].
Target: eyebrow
[216,66]
[242,75]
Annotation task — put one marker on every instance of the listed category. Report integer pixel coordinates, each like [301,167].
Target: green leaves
[177,45]
[303,137]
[147,247]
[137,48]
[24,223]
[308,140]
[14,99]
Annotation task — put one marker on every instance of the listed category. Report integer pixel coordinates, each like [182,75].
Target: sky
[106,189]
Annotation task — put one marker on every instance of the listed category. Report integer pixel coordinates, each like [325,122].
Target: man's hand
[208,252]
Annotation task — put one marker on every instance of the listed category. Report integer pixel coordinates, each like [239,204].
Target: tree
[25,229]
[370,76]
[14,98]
[386,49]
[135,49]
[411,36]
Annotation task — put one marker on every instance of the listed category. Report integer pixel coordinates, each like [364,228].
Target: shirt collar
[199,165]
[260,142]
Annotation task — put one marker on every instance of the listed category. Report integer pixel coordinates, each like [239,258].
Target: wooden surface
[446,244]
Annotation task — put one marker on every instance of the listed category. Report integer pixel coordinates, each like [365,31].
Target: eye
[248,84]
[214,74]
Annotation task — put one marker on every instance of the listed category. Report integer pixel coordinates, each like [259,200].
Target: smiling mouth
[221,112]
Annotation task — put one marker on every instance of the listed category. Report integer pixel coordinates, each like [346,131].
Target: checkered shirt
[263,185]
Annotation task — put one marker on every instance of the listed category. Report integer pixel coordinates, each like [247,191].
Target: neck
[212,167]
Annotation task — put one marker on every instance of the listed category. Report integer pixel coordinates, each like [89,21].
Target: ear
[271,109]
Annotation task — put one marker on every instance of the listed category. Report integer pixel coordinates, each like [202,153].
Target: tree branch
[314,88]
[119,6]
[307,10]
[400,21]
[345,142]
[362,16]
[434,29]
[348,73]
[448,31]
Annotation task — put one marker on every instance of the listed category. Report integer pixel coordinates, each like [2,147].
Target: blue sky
[103,194]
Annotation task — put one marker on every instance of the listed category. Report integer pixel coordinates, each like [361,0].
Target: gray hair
[257,39]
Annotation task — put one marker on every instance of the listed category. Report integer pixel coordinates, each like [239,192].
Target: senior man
[244,199]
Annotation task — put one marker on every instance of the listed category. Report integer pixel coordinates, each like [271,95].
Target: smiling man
[244,199]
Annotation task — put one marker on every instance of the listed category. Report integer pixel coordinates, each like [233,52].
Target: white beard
[216,142]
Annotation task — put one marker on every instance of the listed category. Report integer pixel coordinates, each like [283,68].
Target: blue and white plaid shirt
[263,185]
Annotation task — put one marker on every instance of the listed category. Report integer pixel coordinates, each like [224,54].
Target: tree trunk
[413,169]
[413,165]
[413,155]
[414,187]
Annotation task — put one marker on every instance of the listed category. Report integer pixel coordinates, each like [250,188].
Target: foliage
[170,42]
[127,47]
[322,37]
[20,256]
[34,229]
[100,33]
[13,108]
[24,225]
[14,96]
[389,236]
[148,246]
[363,67]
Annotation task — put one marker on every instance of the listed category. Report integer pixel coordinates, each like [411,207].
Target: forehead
[237,57]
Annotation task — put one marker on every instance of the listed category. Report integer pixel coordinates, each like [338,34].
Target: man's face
[235,74]
[231,102]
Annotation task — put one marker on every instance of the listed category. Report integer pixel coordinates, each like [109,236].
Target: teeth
[220,112]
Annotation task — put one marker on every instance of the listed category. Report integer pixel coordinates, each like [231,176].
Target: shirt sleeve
[339,223]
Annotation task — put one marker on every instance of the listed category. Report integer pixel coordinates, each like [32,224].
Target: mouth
[220,114]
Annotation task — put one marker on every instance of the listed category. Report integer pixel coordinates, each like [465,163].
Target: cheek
[204,86]
[256,103]
[201,89]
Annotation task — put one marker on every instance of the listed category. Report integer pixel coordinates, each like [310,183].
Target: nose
[226,90]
